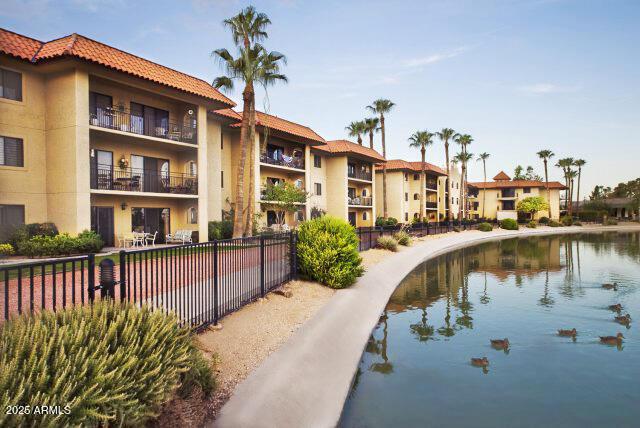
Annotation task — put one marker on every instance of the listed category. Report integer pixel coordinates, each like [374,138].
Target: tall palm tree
[579,163]
[445,135]
[420,140]
[381,107]
[252,65]
[463,140]
[463,158]
[356,129]
[572,176]
[483,157]
[545,155]
[565,164]
[371,126]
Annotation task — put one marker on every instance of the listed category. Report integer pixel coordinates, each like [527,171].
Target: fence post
[370,237]
[215,282]
[91,277]
[262,265]
[293,254]
[123,275]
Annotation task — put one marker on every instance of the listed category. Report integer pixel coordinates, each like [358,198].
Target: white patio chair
[138,239]
[151,239]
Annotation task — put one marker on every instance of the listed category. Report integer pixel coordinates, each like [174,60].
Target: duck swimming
[568,333]
[623,319]
[612,340]
[500,343]
[613,286]
[617,307]
[480,362]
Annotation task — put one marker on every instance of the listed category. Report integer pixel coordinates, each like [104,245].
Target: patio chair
[138,239]
[151,239]
[285,228]
[123,240]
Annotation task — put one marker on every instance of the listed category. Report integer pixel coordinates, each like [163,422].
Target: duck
[623,319]
[480,362]
[567,333]
[616,308]
[500,343]
[612,340]
[613,286]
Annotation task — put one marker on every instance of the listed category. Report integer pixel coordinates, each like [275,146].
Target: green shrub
[611,222]
[543,220]
[28,231]
[553,223]
[387,243]
[6,250]
[566,220]
[112,364]
[220,230]
[328,251]
[532,224]
[509,224]
[403,238]
[63,244]
[577,223]
[485,227]
[591,215]
[389,221]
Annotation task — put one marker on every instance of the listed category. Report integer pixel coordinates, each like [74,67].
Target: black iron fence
[368,236]
[107,177]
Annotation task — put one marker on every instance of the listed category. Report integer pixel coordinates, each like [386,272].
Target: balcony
[431,185]
[359,174]
[122,119]
[508,194]
[141,180]
[294,162]
[431,205]
[360,201]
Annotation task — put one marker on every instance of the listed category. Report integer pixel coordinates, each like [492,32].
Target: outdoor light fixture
[123,206]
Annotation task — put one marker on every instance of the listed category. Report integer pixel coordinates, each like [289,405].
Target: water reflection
[445,311]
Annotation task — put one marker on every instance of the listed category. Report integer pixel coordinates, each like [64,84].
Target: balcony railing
[359,174]
[362,201]
[433,205]
[508,193]
[142,180]
[431,185]
[283,160]
[123,120]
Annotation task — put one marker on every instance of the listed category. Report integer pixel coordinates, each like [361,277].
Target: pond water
[416,368]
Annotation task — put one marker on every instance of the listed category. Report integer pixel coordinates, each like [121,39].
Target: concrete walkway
[306,382]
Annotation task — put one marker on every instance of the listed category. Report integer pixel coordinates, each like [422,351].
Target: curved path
[306,382]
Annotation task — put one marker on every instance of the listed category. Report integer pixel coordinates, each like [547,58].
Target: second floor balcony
[359,173]
[280,159]
[431,205]
[431,184]
[142,180]
[508,193]
[361,201]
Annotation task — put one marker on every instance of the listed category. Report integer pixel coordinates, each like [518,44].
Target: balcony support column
[203,175]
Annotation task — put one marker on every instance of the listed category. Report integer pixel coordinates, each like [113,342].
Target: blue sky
[518,75]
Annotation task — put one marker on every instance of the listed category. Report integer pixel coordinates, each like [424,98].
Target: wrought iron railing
[122,119]
[283,160]
[430,204]
[359,174]
[363,201]
[106,177]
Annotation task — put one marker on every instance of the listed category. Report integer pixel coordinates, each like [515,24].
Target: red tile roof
[502,176]
[403,165]
[502,184]
[347,147]
[77,46]
[285,126]
[228,113]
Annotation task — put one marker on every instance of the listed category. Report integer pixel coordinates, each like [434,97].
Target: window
[299,184]
[317,161]
[10,85]
[11,217]
[406,197]
[222,179]
[299,215]
[415,196]
[192,215]
[192,169]
[221,140]
[416,177]
[318,188]
[364,215]
[406,216]
[11,151]
[406,177]
[526,190]
[364,192]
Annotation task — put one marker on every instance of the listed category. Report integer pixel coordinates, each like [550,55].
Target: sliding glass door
[151,220]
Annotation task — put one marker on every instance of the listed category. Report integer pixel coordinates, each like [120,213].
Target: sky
[518,75]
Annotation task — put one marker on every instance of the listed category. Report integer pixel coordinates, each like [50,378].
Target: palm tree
[463,141]
[253,65]
[382,106]
[356,129]
[565,164]
[463,158]
[445,135]
[483,157]
[421,139]
[371,126]
[579,163]
[545,155]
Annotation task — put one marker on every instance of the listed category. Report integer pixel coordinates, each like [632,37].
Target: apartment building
[403,191]
[343,181]
[92,137]
[500,197]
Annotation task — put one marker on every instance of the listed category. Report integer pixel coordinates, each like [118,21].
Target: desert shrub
[566,220]
[553,223]
[591,215]
[509,224]
[62,244]
[485,227]
[6,250]
[220,230]
[403,238]
[389,221]
[387,243]
[456,229]
[532,225]
[328,251]
[543,220]
[577,223]
[611,222]
[112,364]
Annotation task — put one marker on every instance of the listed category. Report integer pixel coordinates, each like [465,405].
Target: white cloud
[434,58]
[546,88]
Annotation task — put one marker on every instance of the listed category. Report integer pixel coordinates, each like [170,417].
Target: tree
[463,158]
[545,155]
[356,129]
[579,163]
[445,135]
[532,205]
[565,164]
[381,107]
[283,198]
[463,141]
[600,192]
[483,157]
[252,65]
[420,140]
[521,173]
[517,173]
[371,126]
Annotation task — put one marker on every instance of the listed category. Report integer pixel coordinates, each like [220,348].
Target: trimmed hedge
[28,231]
[566,220]
[59,245]
[403,238]
[220,230]
[112,364]
[328,251]
[532,224]
[543,220]
[389,221]
[611,222]
[509,224]
[387,243]
[553,223]
[485,227]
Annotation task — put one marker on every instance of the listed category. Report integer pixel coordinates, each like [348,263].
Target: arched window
[192,215]
[416,196]
[192,168]
[364,192]
[364,215]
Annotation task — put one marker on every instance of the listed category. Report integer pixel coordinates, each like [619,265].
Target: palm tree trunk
[484,193]
[371,139]
[461,200]
[384,170]
[359,139]
[244,135]
[578,193]
[546,180]
[448,181]
[422,186]
[248,227]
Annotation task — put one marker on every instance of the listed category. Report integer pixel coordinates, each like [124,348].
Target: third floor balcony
[107,177]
